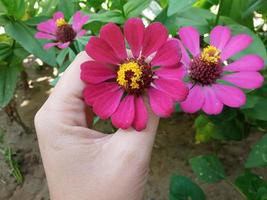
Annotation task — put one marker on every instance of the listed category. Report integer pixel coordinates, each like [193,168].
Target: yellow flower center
[60,22]
[129,75]
[210,54]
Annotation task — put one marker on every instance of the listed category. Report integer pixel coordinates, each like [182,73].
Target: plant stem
[218,14]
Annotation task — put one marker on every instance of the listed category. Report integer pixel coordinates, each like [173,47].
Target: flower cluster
[58,30]
[139,69]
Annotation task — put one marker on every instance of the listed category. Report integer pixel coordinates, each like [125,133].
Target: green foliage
[207,168]
[258,155]
[133,8]
[179,6]
[252,185]
[182,188]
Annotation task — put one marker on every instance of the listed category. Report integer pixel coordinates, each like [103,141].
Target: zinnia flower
[58,30]
[117,81]
[214,79]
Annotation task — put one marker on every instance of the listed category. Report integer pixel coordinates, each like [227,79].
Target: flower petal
[155,36]
[236,44]
[161,103]
[229,95]
[112,34]
[124,115]
[79,20]
[246,80]
[251,62]
[81,33]
[99,50]
[190,38]
[93,92]
[194,100]
[63,45]
[185,57]
[134,33]
[168,54]
[41,35]
[141,115]
[94,72]
[49,45]
[48,26]
[212,105]
[176,73]
[174,88]
[58,15]
[107,104]
[219,36]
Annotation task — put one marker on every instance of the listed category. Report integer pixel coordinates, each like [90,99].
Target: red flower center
[64,32]
[134,76]
[206,68]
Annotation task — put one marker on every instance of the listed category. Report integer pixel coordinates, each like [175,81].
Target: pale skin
[81,163]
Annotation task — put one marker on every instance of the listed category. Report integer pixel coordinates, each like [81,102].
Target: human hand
[81,163]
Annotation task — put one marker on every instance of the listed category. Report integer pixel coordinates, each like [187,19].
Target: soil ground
[173,147]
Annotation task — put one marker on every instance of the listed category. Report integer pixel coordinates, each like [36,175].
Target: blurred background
[195,156]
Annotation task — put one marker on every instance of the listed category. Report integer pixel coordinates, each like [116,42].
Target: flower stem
[236,188]
[219,13]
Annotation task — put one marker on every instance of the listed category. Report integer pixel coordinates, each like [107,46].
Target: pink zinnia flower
[58,30]
[117,81]
[214,79]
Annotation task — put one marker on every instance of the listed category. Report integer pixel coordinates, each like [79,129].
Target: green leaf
[25,36]
[200,19]
[176,6]
[15,8]
[114,16]
[48,7]
[5,50]
[235,10]
[258,111]
[258,155]
[8,80]
[62,56]
[182,188]
[134,8]
[207,168]
[251,185]
[68,7]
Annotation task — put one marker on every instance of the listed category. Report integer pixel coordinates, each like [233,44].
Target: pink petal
[58,15]
[94,72]
[63,45]
[246,80]
[41,35]
[81,33]
[161,103]
[229,95]
[171,73]
[249,63]
[134,32]
[48,26]
[79,20]
[99,50]
[168,54]
[155,36]
[107,104]
[112,34]
[194,100]
[236,44]
[49,45]
[212,105]
[93,92]
[141,115]
[190,38]
[219,36]
[174,88]
[124,115]
[185,57]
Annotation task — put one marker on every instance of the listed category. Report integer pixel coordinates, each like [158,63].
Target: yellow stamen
[135,77]
[61,22]
[211,54]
